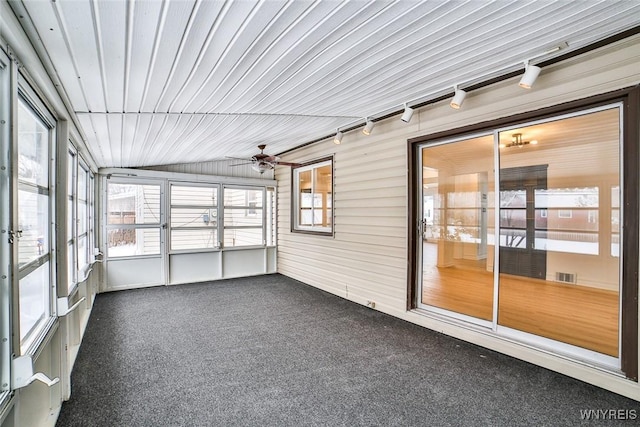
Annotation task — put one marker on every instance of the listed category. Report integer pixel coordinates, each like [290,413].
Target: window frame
[247,208]
[83,170]
[629,99]
[159,225]
[296,227]
[33,339]
[217,208]
[72,188]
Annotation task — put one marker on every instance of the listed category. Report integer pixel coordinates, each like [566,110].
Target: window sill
[42,339]
[313,232]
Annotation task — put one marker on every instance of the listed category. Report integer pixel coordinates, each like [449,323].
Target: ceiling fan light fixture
[530,75]
[408,113]
[458,98]
[338,138]
[368,127]
[261,167]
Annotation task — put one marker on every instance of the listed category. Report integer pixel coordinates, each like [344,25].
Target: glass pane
[513,238]
[33,147]
[304,188]
[321,195]
[242,217]
[83,176]
[71,263]
[70,215]
[194,196]
[193,217]
[133,204]
[33,220]
[82,251]
[194,239]
[513,218]
[306,199]
[70,168]
[242,237]
[242,197]
[457,255]
[615,221]
[34,300]
[306,217]
[513,199]
[557,277]
[82,217]
[132,242]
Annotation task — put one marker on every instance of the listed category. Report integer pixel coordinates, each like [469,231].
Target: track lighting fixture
[408,113]
[368,127]
[458,98]
[530,75]
[338,138]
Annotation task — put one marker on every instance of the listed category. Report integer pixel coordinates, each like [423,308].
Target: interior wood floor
[573,314]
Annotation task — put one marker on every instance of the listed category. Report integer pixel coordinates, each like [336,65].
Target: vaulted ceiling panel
[167,54]
[111,31]
[144,23]
[47,20]
[79,29]
[160,81]
[195,38]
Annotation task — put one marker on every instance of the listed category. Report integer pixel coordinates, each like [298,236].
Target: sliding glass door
[559,254]
[457,228]
[551,274]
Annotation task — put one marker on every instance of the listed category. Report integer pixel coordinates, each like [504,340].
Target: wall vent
[566,277]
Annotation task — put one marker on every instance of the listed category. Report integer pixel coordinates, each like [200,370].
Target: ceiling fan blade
[248,159]
[293,165]
[240,164]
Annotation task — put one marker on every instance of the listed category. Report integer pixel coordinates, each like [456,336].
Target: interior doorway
[520,220]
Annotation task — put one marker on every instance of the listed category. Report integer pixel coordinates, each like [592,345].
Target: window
[194,217]
[71,219]
[79,218]
[565,213]
[313,197]
[34,234]
[92,196]
[243,217]
[83,216]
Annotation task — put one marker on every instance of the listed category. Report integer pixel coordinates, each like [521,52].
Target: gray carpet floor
[271,351]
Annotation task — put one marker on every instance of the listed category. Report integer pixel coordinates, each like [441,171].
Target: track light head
[408,113]
[530,75]
[368,127]
[458,98]
[338,138]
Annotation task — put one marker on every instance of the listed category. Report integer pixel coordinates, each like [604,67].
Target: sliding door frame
[630,100]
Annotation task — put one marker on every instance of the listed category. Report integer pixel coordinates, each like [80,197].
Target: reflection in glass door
[557,185]
[559,278]
[457,269]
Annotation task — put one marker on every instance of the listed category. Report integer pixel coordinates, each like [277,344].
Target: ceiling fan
[262,161]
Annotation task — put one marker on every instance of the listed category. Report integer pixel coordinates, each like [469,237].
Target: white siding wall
[367,259]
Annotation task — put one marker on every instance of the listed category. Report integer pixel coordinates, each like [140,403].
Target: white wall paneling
[366,259]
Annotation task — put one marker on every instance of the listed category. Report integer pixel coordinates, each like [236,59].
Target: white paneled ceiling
[176,81]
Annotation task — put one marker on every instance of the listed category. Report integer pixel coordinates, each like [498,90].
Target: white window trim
[295,214]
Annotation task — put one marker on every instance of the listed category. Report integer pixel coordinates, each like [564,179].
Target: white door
[135,233]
